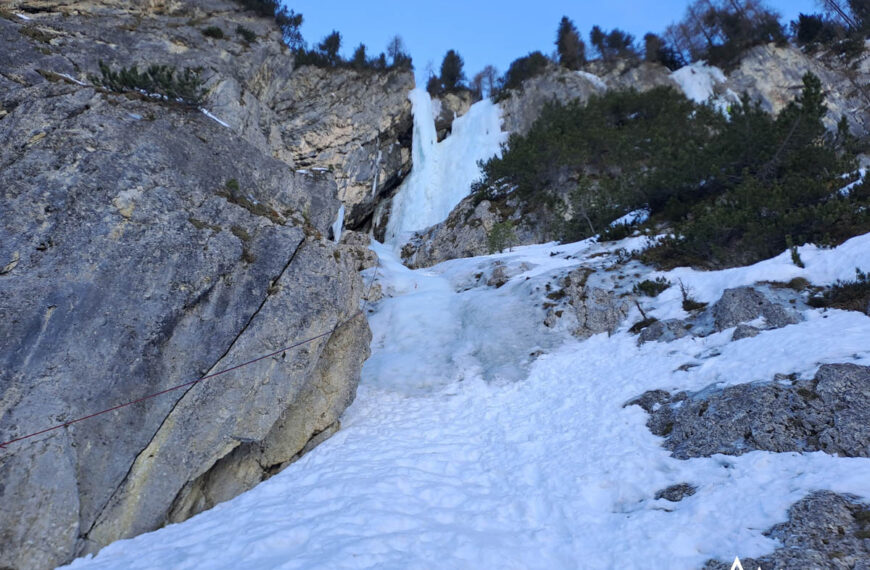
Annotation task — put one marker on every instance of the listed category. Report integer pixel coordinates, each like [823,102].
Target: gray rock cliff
[144,245]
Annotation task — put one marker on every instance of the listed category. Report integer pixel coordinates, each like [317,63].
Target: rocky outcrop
[824,530]
[467,231]
[772,75]
[829,413]
[745,304]
[587,302]
[153,245]
[765,305]
[522,107]
[664,331]
[356,124]
[449,107]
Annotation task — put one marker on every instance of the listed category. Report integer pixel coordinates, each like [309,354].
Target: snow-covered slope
[481,439]
[442,173]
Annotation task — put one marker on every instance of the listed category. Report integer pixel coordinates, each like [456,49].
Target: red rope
[198,380]
[173,388]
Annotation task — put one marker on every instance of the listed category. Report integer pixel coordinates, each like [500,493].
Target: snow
[481,439]
[822,267]
[23,17]
[597,81]
[442,173]
[338,224]
[698,80]
[72,79]
[699,83]
[211,116]
[633,217]
[846,190]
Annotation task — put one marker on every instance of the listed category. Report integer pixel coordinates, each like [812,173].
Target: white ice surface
[442,173]
[597,81]
[698,80]
[214,118]
[463,451]
[633,217]
[338,225]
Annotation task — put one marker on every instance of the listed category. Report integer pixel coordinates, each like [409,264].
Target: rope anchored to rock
[201,379]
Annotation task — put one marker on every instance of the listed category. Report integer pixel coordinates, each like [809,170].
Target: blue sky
[485,31]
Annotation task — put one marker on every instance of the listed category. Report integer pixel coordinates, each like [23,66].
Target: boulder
[745,304]
[824,530]
[598,308]
[676,493]
[745,331]
[829,413]
[664,331]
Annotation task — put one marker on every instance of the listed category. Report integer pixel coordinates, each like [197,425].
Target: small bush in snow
[651,288]
[847,295]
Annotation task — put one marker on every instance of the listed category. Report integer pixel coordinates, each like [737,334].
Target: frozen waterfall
[442,173]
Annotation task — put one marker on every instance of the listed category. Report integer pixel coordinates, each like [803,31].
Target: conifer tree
[330,46]
[452,74]
[359,60]
[571,49]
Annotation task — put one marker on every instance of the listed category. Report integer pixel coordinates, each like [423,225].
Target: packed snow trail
[442,173]
[463,450]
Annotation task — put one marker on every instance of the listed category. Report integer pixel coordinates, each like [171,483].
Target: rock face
[151,246]
[357,124]
[590,300]
[824,530]
[829,413]
[450,107]
[772,75]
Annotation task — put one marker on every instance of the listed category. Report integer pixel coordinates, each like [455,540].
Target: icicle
[338,225]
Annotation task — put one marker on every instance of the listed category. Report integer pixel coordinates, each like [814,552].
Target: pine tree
[330,46]
[597,38]
[572,50]
[452,74]
[359,60]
